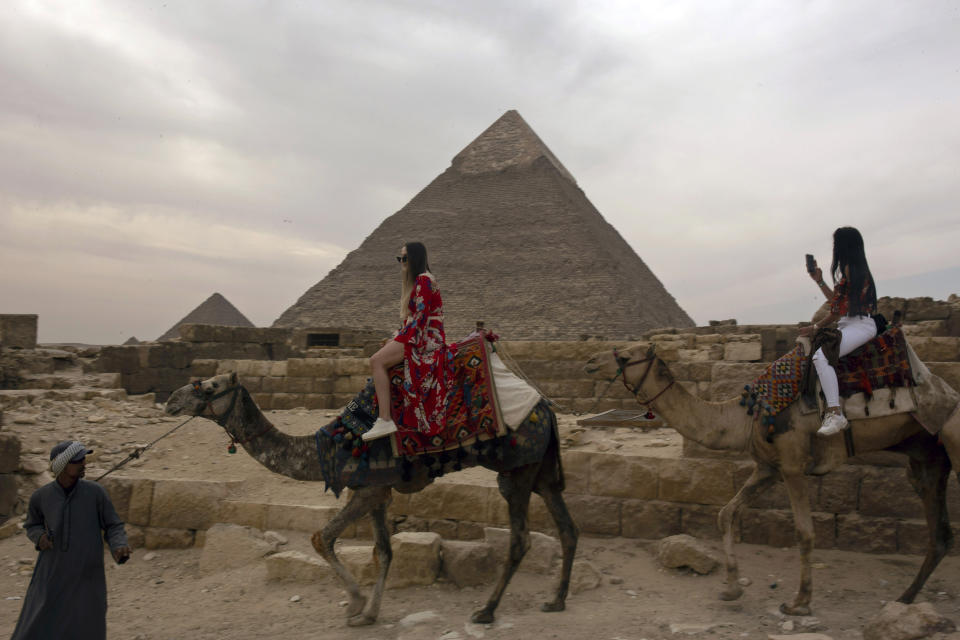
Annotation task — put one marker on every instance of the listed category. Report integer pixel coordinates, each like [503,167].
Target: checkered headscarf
[61,459]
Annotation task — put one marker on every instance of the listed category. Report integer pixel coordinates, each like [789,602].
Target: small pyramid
[131,341]
[214,310]
[513,241]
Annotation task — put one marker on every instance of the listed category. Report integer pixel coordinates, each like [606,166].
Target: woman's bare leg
[389,355]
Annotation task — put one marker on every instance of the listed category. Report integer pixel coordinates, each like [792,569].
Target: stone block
[186,504]
[937,349]
[163,538]
[298,517]
[595,514]
[294,566]
[119,490]
[297,385]
[361,562]
[269,384]
[136,538]
[467,564]
[700,521]
[701,481]
[263,400]
[416,559]
[249,514]
[728,378]
[912,537]
[318,401]
[9,452]
[228,546]
[322,386]
[623,476]
[18,330]
[576,471]
[949,371]
[454,501]
[311,367]
[446,529]
[869,535]
[222,333]
[776,528]
[203,368]
[171,355]
[840,490]
[140,501]
[468,530]
[888,492]
[544,550]
[119,359]
[352,366]
[898,621]
[584,576]
[649,519]
[288,400]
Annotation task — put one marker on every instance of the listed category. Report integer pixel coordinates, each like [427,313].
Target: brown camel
[793,455]
[224,400]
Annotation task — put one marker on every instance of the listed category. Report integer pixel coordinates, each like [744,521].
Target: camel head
[206,398]
[637,363]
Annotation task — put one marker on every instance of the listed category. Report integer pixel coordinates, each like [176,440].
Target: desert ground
[162,594]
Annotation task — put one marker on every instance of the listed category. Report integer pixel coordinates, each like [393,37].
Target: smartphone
[811,263]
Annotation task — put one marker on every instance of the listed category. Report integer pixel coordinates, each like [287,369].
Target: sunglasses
[401,258]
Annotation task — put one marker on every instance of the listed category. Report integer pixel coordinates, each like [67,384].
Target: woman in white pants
[853,300]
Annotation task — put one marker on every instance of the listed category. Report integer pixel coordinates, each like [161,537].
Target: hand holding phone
[811,263]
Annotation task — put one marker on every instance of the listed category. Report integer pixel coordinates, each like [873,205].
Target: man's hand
[121,554]
[44,543]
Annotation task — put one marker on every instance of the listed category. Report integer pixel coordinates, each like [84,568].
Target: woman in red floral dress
[421,345]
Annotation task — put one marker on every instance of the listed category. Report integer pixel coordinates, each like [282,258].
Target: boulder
[898,621]
[584,576]
[540,557]
[228,546]
[469,563]
[360,562]
[294,566]
[416,559]
[686,551]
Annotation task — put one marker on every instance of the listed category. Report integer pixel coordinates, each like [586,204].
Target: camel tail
[553,453]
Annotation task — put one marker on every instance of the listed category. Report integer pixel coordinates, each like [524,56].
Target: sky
[153,153]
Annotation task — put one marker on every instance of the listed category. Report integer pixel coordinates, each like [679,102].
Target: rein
[635,390]
[222,419]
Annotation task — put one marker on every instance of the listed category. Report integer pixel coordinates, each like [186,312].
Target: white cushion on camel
[517,398]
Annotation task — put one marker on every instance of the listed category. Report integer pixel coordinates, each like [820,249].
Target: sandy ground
[167,597]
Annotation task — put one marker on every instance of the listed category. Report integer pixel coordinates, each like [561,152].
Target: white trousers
[856,331]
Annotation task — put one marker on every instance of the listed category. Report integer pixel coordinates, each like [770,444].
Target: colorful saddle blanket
[473,411]
[881,363]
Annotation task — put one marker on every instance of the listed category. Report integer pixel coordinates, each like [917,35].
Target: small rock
[631,593]
[295,598]
[24,420]
[97,419]
[744,582]
[417,618]
[686,551]
[787,625]
[584,576]
[273,536]
[342,603]
[615,580]
[149,556]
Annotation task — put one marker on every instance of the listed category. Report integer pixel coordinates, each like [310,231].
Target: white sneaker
[380,429]
[833,423]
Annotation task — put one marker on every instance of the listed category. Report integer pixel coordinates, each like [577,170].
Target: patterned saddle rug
[882,363]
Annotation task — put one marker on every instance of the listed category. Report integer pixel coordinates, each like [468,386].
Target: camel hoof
[731,593]
[796,610]
[482,616]
[356,606]
[556,605]
[361,620]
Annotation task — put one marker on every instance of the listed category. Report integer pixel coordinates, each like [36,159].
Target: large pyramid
[214,310]
[513,241]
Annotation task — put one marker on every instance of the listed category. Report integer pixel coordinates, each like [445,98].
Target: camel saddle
[875,380]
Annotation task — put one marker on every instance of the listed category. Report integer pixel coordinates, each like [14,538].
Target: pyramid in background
[513,241]
[214,310]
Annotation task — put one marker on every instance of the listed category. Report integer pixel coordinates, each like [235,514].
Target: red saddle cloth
[473,412]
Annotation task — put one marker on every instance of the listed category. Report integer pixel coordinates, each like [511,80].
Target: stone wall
[18,331]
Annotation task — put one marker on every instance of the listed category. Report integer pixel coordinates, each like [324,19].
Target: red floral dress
[425,362]
[840,304]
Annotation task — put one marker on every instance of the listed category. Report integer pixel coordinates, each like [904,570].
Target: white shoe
[380,429]
[833,423]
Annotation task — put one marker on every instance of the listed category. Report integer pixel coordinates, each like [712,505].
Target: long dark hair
[416,264]
[849,257]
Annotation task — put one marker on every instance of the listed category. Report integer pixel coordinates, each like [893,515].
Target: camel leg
[361,502]
[930,480]
[550,490]
[385,554]
[515,486]
[796,484]
[759,481]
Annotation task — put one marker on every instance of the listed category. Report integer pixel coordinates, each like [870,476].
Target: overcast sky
[152,153]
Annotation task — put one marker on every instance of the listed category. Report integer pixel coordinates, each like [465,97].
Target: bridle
[221,420]
[635,390]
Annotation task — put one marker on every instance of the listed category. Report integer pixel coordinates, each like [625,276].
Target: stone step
[13,398]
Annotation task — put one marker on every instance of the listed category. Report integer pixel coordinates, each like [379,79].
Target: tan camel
[224,400]
[792,455]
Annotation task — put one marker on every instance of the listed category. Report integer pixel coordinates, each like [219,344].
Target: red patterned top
[840,304]
[425,362]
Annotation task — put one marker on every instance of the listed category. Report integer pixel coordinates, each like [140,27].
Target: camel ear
[233,378]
